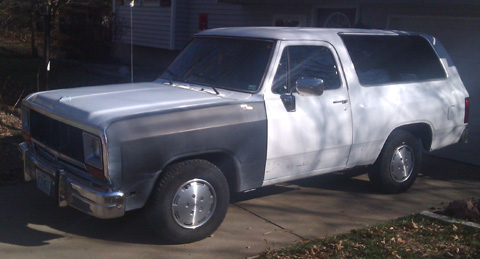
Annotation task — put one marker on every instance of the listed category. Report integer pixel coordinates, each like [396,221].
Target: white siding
[151,25]
[227,15]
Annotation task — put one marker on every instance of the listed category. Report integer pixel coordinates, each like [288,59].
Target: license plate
[44,182]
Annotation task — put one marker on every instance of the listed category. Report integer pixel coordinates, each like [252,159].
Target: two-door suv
[242,108]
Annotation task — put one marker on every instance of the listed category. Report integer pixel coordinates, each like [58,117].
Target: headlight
[26,119]
[92,150]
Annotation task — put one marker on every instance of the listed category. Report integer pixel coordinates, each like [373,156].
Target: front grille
[57,135]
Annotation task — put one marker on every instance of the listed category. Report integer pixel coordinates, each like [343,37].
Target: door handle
[341,101]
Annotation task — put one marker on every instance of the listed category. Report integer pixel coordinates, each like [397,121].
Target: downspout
[114,2]
[173,21]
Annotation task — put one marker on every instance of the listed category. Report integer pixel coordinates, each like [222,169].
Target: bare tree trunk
[33,28]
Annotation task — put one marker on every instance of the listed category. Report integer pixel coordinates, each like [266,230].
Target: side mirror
[288,102]
[309,86]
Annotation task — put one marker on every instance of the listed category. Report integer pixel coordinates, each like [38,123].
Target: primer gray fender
[141,146]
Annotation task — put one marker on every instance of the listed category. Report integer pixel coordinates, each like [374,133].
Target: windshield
[237,64]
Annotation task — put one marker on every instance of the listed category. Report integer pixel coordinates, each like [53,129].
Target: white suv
[242,108]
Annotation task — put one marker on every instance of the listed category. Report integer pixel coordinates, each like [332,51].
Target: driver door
[316,136]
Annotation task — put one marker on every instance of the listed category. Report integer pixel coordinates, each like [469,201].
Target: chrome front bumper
[71,190]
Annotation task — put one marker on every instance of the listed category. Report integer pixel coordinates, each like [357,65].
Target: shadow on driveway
[29,218]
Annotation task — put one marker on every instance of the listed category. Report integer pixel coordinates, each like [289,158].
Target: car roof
[292,33]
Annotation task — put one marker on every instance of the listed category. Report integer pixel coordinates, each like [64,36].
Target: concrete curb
[449,219]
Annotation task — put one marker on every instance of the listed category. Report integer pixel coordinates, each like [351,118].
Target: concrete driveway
[31,226]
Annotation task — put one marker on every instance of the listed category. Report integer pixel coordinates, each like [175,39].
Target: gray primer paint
[141,146]
[147,126]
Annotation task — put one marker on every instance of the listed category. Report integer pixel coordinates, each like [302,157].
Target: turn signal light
[95,172]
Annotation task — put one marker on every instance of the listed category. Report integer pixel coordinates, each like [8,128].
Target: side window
[305,61]
[380,60]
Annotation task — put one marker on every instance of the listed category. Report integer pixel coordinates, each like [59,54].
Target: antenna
[132,4]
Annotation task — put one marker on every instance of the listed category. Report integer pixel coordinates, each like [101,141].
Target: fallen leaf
[339,245]
[454,227]
[414,225]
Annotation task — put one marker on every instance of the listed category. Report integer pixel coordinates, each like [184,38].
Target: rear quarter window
[389,59]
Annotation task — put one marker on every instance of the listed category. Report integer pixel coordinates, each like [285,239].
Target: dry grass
[410,237]
[11,165]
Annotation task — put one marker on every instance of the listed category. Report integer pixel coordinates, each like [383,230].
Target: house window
[281,20]
[336,18]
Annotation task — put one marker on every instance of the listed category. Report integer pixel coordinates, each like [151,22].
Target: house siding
[151,25]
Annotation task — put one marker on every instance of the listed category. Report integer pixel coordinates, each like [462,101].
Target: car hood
[98,106]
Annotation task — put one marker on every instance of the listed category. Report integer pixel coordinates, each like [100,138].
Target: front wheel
[189,202]
[398,164]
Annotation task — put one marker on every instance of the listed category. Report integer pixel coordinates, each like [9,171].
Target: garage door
[461,38]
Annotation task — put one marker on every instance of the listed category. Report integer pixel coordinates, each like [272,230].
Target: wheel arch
[421,130]
[226,162]
[384,174]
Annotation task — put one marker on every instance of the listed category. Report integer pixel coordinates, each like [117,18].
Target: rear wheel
[398,164]
[189,202]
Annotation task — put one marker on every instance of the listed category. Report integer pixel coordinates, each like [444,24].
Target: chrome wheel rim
[194,203]
[402,163]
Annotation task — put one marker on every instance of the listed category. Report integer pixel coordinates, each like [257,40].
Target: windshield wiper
[202,76]
[215,89]
[169,78]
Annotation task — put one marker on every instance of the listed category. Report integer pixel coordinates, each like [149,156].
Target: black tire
[391,173]
[169,220]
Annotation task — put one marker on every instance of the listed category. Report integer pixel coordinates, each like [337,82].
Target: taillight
[467,109]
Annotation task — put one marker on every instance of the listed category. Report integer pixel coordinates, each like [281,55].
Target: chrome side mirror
[308,86]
